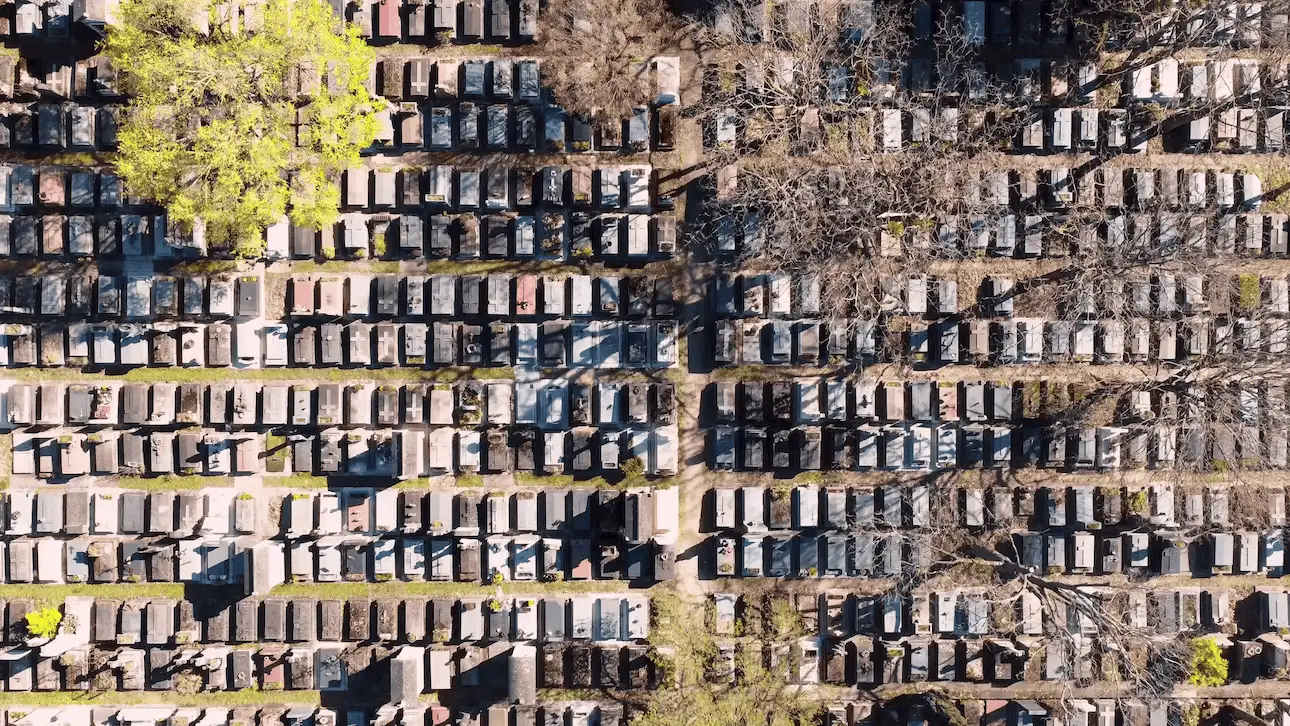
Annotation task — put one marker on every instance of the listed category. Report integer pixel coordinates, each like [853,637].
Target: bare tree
[806,114]
[853,144]
[599,59]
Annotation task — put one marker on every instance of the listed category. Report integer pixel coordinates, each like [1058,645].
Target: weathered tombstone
[359,626]
[275,619]
[131,629]
[414,620]
[217,625]
[105,617]
[304,616]
[161,622]
[333,619]
[247,621]
[78,512]
[159,670]
[242,671]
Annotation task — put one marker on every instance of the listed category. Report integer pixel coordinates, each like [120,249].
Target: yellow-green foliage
[43,623]
[211,126]
[761,695]
[1138,502]
[785,621]
[632,466]
[1276,183]
[1208,666]
[1249,290]
[680,640]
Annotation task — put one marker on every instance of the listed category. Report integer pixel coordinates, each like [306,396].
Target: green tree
[696,691]
[1208,666]
[235,123]
[43,623]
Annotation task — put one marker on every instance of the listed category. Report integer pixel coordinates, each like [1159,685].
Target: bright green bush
[44,623]
[1208,666]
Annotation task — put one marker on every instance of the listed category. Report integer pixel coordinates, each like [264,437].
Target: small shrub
[1208,666]
[1138,502]
[632,466]
[497,578]
[785,621]
[44,623]
[1249,291]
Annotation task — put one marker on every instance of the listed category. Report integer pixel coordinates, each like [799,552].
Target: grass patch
[206,266]
[480,267]
[631,481]
[6,460]
[47,593]
[77,158]
[345,590]
[411,484]
[224,375]
[677,372]
[297,481]
[469,480]
[218,699]
[745,373]
[353,266]
[528,478]
[560,695]
[1276,190]
[664,482]
[275,447]
[460,267]
[173,482]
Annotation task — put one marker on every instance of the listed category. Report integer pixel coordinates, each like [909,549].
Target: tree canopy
[698,688]
[233,120]
[600,53]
